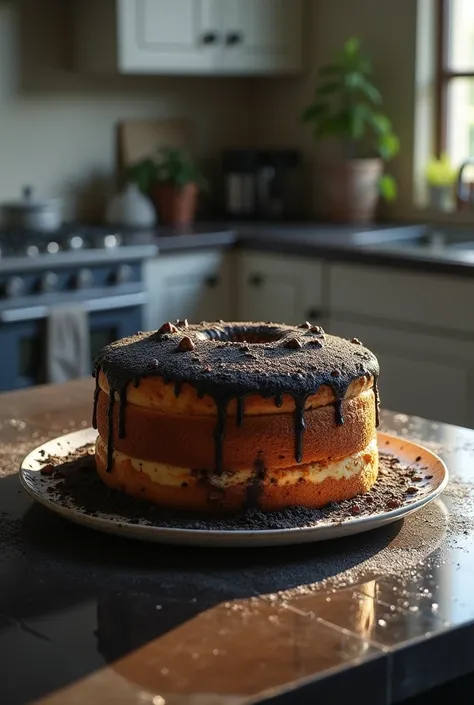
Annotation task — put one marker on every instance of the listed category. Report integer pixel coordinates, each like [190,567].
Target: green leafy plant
[175,166]
[142,173]
[346,105]
[440,172]
[171,165]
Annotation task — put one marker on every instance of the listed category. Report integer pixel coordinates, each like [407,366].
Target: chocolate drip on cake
[377,400]
[110,435]
[300,426]
[339,413]
[233,361]
[123,401]
[254,489]
[97,391]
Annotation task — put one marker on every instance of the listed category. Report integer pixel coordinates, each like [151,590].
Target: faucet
[465,190]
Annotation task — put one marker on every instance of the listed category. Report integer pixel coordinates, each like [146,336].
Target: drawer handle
[210,38]
[234,38]
[313,314]
[255,280]
[212,281]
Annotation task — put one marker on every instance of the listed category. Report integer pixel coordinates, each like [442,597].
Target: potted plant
[346,106]
[440,176]
[173,181]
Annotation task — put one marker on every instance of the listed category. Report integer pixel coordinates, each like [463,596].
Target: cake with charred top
[222,416]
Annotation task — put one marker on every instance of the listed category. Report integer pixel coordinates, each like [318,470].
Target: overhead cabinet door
[262,36]
[171,36]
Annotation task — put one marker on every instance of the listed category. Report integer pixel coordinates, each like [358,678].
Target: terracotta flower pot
[175,206]
[351,190]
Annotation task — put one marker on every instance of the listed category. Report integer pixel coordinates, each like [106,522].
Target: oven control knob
[123,274]
[83,279]
[14,286]
[48,282]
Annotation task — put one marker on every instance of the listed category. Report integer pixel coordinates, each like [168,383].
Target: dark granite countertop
[381,244]
[87,618]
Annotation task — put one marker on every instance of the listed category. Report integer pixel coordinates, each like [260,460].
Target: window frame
[444,75]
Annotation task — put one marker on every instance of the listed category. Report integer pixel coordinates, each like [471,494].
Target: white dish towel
[68,344]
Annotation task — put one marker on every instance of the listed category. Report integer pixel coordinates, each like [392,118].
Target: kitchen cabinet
[413,300]
[167,35]
[420,373]
[196,286]
[279,288]
[189,36]
[262,36]
[421,328]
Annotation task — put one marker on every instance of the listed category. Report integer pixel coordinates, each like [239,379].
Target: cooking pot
[29,213]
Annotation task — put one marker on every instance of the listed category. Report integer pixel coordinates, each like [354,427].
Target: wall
[57,127]
[388,31]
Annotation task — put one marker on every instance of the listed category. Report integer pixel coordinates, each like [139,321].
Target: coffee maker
[240,178]
[273,182]
[257,183]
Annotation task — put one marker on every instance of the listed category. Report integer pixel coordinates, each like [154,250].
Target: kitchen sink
[428,240]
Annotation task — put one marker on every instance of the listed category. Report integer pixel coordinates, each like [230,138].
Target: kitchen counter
[100,620]
[386,245]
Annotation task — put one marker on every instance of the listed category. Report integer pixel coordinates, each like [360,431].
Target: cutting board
[140,138]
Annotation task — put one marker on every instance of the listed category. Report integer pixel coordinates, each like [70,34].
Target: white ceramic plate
[406,451]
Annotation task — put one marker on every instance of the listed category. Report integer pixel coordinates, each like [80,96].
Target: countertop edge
[357,252]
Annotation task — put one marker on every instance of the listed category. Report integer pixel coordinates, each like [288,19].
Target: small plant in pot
[441,178]
[346,106]
[173,181]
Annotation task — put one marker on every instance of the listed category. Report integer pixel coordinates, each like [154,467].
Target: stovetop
[73,245]
[69,238]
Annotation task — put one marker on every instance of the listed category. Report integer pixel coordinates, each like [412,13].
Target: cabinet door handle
[210,38]
[255,280]
[212,281]
[233,38]
[313,314]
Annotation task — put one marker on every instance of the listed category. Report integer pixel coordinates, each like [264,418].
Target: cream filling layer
[173,476]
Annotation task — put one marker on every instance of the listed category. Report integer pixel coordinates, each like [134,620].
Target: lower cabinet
[279,288]
[420,374]
[196,286]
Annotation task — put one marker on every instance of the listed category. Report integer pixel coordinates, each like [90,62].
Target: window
[455,129]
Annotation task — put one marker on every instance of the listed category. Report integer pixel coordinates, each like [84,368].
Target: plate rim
[117,527]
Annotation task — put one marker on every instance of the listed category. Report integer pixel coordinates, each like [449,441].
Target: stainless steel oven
[114,310]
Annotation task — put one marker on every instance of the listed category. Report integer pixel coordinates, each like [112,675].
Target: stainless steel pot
[28,213]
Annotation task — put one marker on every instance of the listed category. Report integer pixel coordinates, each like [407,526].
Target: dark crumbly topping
[217,364]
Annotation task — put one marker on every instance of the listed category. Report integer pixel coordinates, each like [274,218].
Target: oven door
[23,335]
[21,360]
[107,326]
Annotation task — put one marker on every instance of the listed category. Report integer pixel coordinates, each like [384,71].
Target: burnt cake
[223,416]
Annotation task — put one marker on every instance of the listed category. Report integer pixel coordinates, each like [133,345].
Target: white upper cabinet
[167,35]
[262,36]
[189,36]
